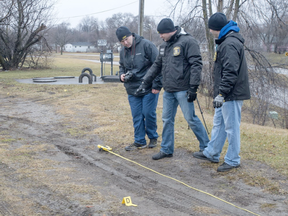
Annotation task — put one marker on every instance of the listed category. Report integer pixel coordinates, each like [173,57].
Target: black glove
[141,89]
[191,94]
[218,101]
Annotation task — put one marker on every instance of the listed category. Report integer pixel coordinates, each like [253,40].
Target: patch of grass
[257,180]
[268,206]
[265,144]
[75,132]
[206,210]
[277,59]
[7,140]
[62,66]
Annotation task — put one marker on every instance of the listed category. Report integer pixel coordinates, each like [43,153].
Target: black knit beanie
[166,25]
[122,33]
[217,21]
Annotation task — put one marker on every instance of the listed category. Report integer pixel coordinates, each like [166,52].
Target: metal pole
[112,63]
[150,27]
[101,59]
[141,17]
[202,116]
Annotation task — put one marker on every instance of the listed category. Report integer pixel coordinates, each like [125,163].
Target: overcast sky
[74,11]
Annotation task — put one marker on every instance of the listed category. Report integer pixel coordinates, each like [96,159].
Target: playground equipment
[89,76]
[106,57]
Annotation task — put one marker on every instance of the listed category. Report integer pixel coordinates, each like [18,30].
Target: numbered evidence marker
[127,201]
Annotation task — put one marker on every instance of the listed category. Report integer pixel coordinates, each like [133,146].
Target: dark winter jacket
[230,68]
[180,61]
[138,59]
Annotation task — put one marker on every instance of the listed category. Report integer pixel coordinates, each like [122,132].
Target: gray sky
[74,11]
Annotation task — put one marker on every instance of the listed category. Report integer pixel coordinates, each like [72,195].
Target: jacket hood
[231,26]
[137,37]
[179,31]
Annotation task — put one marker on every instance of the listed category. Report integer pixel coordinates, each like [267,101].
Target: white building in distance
[79,47]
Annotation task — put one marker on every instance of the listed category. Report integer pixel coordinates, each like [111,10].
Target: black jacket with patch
[180,62]
[230,68]
[138,59]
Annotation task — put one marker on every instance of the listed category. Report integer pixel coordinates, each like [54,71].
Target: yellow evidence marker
[127,201]
[105,148]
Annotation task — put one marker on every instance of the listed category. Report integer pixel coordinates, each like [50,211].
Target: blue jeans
[226,124]
[143,111]
[170,104]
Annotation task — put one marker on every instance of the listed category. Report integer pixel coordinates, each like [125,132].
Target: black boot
[153,143]
[161,155]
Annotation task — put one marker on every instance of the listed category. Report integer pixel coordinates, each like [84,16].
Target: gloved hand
[218,101]
[141,89]
[191,94]
[128,76]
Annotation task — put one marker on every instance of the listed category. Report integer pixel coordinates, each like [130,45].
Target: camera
[128,76]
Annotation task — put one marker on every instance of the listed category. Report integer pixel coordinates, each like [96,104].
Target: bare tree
[89,30]
[265,27]
[22,29]
[5,9]
[117,20]
[150,30]
[270,25]
[62,35]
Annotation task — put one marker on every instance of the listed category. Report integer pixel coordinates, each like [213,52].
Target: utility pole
[141,17]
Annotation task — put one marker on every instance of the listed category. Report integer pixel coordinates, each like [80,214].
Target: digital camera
[128,76]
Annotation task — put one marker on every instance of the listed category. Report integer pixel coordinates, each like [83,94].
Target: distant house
[80,47]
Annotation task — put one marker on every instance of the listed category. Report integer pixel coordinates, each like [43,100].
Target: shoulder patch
[176,51]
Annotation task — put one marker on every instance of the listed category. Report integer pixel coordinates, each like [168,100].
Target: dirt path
[69,176]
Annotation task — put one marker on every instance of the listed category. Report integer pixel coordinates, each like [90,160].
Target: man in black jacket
[231,87]
[136,57]
[180,62]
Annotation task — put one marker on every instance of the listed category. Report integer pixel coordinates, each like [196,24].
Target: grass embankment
[277,59]
[104,110]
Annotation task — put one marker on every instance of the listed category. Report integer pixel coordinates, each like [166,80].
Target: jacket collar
[180,31]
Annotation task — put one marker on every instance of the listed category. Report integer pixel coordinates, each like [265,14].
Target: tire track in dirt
[5,209]
[44,199]
[38,193]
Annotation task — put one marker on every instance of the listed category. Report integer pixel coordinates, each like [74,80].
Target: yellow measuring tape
[108,149]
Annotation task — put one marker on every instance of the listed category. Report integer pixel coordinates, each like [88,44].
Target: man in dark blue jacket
[231,87]
[180,63]
[136,57]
